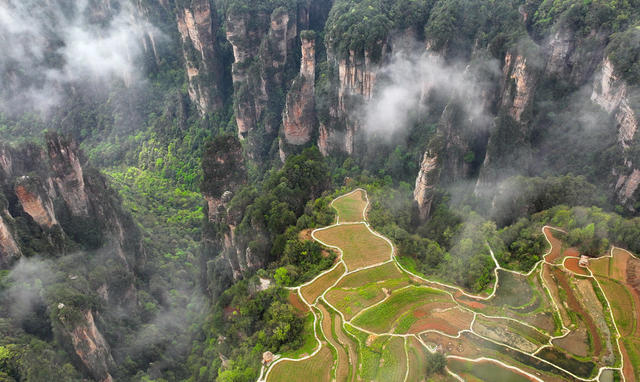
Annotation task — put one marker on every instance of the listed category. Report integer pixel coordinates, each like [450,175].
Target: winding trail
[454,292]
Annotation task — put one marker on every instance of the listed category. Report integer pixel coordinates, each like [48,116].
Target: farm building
[584,261]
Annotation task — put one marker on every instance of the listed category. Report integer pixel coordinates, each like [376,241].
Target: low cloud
[46,48]
[412,75]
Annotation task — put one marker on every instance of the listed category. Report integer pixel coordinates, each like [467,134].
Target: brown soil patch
[542,321]
[574,305]
[571,263]
[433,323]
[571,252]
[305,234]
[451,321]
[462,299]
[633,274]
[556,246]
[300,307]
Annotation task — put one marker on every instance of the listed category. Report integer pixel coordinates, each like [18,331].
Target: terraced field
[375,320]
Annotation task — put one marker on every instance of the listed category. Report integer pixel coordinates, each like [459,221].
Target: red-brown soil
[556,246]
[571,263]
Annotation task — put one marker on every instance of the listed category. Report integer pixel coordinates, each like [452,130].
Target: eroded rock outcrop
[66,207]
[612,94]
[262,46]
[299,120]
[9,250]
[88,342]
[519,85]
[356,80]
[427,179]
[34,202]
[198,26]
[69,175]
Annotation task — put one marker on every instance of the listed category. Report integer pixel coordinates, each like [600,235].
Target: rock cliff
[519,85]
[88,343]
[426,181]
[299,120]
[612,94]
[263,47]
[197,25]
[224,173]
[65,206]
[9,250]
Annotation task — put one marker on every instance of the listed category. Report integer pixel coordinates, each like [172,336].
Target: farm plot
[294,299]
[393,361]
[359,290]
[417,359]
[521,298]
[382,318]
[615,275]
[510,333]
[571,263]
[360,247]
[514,291]
[349,343]
[313,369]
[342,361]
[351,206]
[484,371]
[435,316]
[600,266]
[575,310]
[313,290]
[391,314]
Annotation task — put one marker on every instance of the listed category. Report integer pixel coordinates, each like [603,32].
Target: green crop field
[351,207]
[382,317]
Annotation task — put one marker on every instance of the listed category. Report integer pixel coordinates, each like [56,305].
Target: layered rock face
[299,119]
[40,208]
[262,47]
[65,205]
[519,85]
[89,345]
[9,250]
[612,94]
[355,84]
[425,183]
[197,26]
